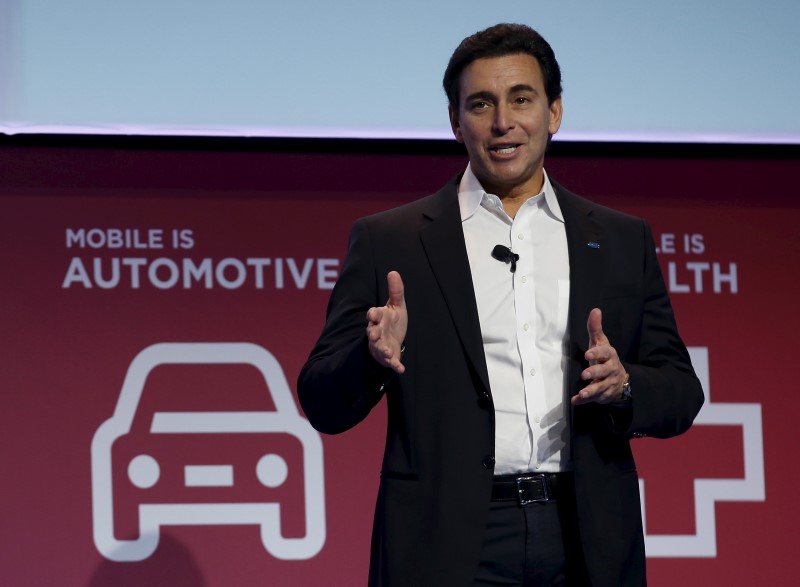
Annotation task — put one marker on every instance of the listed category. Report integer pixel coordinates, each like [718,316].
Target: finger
[375,315]
[374,333]
[596,392]
[595,327]
[595,399]
[378,348]
[597,372]
[396,290]
[584,396]
[397,366]
[600,354]
[384,356]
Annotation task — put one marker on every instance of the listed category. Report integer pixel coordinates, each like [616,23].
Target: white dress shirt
[523,318]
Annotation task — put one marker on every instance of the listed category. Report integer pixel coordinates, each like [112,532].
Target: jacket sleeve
[666,394]
[340,382]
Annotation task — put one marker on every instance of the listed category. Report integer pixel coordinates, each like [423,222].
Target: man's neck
[514,197]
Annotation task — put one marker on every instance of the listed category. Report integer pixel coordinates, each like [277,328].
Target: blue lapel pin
[593,245]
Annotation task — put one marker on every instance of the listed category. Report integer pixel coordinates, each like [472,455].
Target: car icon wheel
[272,470]
[143,471]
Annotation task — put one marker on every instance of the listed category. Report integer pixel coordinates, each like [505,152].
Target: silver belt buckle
[520,490]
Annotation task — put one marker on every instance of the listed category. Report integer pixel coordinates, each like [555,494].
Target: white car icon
[271,470]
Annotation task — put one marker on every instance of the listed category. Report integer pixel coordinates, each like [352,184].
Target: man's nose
[503,119]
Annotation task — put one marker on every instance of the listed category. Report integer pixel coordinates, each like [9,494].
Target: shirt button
[538,465]
[533,371]
[524,279]
[525,326]
[520,236]
[488,462]
[537,419]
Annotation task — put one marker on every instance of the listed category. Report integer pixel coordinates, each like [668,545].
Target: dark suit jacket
[437,470]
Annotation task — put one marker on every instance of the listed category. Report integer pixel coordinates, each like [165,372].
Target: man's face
[504,119]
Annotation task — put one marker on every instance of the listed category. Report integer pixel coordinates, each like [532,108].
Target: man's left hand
[605,371]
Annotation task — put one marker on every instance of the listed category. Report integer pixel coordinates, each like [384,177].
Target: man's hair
[498,41]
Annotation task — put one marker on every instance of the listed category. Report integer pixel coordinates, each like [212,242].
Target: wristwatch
[626,387]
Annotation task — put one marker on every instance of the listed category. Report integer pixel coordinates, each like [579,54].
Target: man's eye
[480,105]
[521,100]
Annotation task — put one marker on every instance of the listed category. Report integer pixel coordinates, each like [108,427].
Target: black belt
[530,488]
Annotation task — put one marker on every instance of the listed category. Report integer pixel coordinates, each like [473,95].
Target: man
[515,374]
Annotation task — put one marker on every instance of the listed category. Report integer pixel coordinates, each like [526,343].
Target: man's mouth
[504,149]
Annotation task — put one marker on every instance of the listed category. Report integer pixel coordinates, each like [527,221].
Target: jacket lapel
[443,241]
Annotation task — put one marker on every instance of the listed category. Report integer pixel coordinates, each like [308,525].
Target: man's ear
[556,112]
[454,124]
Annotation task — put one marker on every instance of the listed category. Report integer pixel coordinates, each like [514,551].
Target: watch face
[626,390]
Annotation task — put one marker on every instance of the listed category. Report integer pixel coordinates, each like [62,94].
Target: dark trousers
[536,544]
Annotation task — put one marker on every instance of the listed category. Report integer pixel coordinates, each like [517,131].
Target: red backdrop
[108,251]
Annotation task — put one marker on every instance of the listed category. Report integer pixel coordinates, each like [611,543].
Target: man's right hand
[387,326]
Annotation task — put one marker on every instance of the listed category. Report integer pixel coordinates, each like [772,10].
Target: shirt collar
[471,194]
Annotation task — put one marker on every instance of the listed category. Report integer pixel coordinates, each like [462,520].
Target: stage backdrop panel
[158,305]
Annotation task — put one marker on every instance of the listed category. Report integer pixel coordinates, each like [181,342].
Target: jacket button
[488,462]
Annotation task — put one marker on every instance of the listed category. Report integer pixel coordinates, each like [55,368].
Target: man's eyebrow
[482,95]
[523,88]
